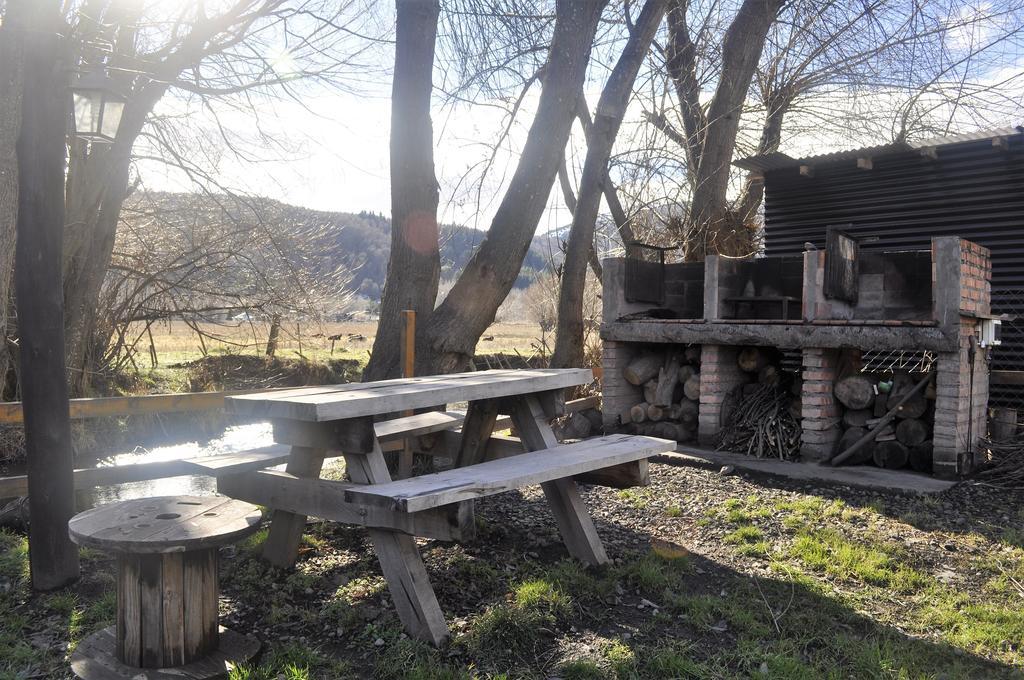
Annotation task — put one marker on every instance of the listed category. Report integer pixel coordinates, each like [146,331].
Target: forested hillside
[357,241]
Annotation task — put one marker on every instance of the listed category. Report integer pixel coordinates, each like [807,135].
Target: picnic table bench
[320,421]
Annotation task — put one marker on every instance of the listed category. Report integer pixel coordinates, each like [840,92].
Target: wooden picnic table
[318,422]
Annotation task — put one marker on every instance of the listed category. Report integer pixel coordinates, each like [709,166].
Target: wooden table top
[339,402]
[165,524]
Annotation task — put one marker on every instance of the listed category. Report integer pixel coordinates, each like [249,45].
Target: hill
[359,242]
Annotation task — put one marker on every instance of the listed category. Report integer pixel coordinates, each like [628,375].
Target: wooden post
[52,556]
[408,371]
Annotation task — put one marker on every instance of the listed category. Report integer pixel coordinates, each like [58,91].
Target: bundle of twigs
[760,424]
[1005,465]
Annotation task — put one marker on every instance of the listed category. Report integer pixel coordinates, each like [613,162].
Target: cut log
[675,412]
[856,417]
[912,432]
[643,368]
[685,434]
[689,407]
[1004,424]
[686,372]
[692,387]
[855,391]
[692,354]
[595,417]
[576,426]
[626,416]
[878,408]
[796,409]
[664,430]
[914,407]
[751,359]
[650,388]
[890,455]
[851,437]
[921,457]
[638,413]
[656,413]
[769,374]
[668,377]
[887,433]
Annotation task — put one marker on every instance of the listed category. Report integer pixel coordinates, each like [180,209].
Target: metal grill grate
[645,273]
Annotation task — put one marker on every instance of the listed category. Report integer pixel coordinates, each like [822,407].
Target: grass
[816,589]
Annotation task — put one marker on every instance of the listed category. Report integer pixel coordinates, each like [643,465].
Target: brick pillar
[955,432]
[718,375]
[617,394]
[820,411]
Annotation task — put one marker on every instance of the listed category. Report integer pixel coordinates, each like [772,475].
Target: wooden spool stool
[167,587]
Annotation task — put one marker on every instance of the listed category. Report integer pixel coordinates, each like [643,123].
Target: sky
[330,151]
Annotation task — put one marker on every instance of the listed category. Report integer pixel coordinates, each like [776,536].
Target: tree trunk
[52,557]
[451,333]
[97,185]
[716,132]
[610,109]
[414,266]
[771,139]
[274,334]
[10,124]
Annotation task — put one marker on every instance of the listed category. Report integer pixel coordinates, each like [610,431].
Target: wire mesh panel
[645,273]
[897,361]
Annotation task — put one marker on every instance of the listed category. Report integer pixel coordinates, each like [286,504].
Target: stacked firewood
[762,418]
[902,431]
[671,393]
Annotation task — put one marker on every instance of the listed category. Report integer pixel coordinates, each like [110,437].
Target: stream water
[234,438]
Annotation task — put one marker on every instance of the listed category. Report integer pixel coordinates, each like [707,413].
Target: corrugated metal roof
[777,160]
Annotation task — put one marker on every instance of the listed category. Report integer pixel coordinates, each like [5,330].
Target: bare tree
[216,261]
[152,49]
[414,265]
[611,108]
[872,71]
[453,329]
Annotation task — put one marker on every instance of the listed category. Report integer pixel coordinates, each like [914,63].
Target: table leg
[571,515]
[400,560]
[282,546]
[476,430]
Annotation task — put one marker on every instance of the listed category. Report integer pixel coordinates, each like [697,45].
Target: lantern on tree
[97,106]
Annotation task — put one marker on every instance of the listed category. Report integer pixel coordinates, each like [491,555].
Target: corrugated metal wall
[971,190]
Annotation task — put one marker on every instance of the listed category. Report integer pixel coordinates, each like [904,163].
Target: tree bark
[10,124]
[53,559]
[451,333]
[610,110]
[414,266]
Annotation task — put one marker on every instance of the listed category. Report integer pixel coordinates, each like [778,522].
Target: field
[714,576]
[176,342]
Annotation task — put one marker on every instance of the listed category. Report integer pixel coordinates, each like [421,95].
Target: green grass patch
[826,550]
[293,662]
[521,627]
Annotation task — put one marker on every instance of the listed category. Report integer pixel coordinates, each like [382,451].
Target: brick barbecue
[906,301]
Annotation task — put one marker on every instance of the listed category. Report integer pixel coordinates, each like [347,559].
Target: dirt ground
[713,576]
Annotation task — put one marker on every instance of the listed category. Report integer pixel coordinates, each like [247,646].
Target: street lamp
[97,106]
